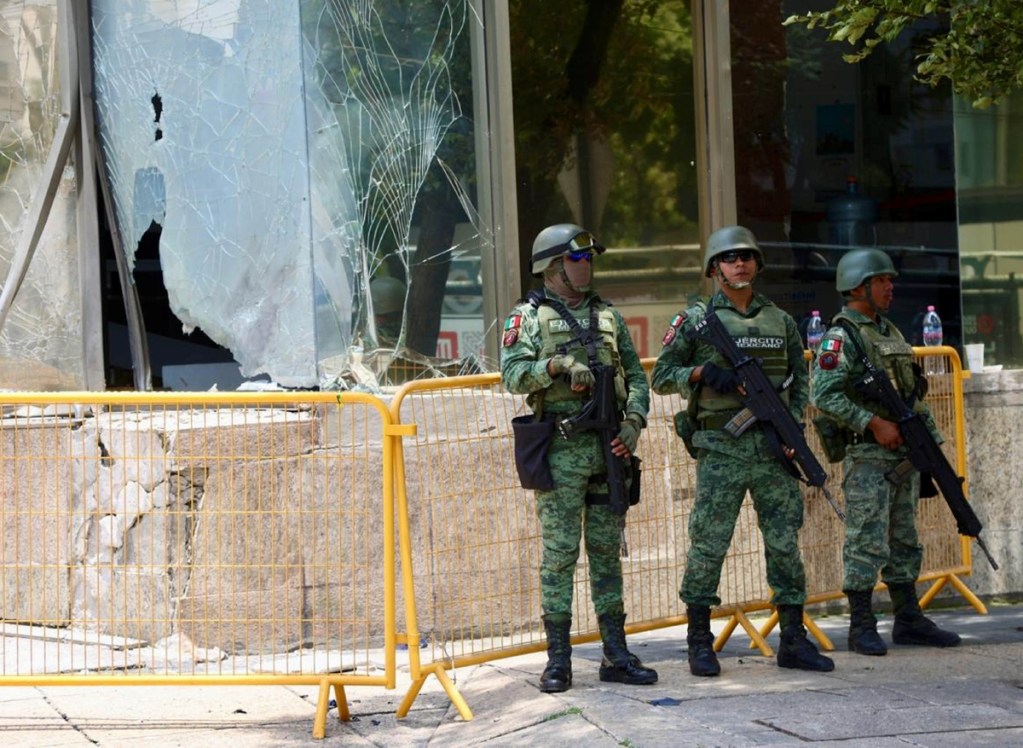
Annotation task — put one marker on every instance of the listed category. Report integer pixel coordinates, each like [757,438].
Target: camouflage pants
[564,518]
[880,526]
[722,482]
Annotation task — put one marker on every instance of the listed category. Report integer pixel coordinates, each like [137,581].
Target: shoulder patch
[672,331]
[828,360]
[511,329]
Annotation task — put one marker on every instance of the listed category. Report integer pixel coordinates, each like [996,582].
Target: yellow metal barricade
[198,538]
[947,555]
[249,538]
[471,545]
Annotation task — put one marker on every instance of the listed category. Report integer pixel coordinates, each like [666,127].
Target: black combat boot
[557,676]
[863,636]
[913,627]
[619,665]
[702,659]
[796,650]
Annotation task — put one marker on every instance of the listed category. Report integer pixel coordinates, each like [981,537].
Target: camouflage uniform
[880,534]
[532,336]
[728,467]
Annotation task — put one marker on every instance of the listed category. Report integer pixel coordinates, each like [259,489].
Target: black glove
[722,381]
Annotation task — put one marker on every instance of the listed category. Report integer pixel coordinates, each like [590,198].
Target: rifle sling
[871,367]
[589,338]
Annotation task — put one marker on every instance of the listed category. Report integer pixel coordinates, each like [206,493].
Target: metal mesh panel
[476,542]
[154,536]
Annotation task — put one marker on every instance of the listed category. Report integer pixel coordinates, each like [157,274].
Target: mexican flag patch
[831,344]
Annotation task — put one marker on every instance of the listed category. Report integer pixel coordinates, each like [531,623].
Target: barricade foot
[449,688]
[817,634]
[738,618]
[815,631]
[323,705]
[960,587]
[767,628]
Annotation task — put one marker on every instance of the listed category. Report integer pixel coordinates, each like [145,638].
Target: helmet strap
[867,299]
[736,286]
[557,280]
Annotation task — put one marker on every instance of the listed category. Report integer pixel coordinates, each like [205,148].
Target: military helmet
[725,240]
[561,239]
[857,265]
[388,295]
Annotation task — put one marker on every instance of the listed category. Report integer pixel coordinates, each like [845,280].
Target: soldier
[880,533]
[542,358]
[728,466]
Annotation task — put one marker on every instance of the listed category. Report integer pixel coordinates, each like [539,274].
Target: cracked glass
[41,338]
[311,167]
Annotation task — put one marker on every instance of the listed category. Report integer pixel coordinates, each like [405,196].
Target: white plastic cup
[975,356]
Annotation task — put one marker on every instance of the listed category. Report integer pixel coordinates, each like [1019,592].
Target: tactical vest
[890,353]
[761,336]
[556,337]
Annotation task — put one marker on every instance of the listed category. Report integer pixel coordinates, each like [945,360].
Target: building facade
[207,191]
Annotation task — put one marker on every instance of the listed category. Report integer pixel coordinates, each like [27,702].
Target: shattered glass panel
[41,340]
[298,155]
[202,122]
[396,235]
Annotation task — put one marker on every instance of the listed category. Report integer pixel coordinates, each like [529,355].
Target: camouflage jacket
[526,349]
[763,330]
[838,367]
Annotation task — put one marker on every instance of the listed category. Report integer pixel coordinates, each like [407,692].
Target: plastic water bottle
[933,337]
[815,329]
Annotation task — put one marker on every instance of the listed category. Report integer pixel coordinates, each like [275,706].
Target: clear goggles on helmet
[584,242]
[580,247]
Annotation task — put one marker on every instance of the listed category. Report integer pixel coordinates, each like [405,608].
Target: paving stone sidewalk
[968,695]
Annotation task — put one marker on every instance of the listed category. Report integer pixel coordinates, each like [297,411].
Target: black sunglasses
[735,255]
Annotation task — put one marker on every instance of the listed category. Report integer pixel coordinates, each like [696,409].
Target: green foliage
[975,44]
[570,712]
[620,72]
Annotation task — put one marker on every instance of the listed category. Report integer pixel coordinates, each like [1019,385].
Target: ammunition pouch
[833,438]
[532,440]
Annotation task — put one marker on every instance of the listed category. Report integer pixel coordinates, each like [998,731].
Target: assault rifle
[766,406]
[601,414]
[924,452]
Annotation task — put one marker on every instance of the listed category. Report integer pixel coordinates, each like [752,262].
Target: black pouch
[634,472]
[832,438]
[532,438]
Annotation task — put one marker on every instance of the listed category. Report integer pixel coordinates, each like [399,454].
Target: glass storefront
[41,340]
[298,182]
[830,155]
[308,171]
[989,170]
[605,137]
